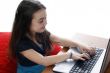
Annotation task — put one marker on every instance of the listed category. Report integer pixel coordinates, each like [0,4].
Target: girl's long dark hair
[21,25]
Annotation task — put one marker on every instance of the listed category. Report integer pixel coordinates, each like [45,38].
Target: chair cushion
[6,64]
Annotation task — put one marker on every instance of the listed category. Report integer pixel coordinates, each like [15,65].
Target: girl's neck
[31,36]
[34,40]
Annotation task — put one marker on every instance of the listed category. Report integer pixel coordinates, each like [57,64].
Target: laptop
[96,64]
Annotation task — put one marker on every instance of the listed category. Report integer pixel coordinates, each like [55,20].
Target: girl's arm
[44,60]
[72,43]
[50,60]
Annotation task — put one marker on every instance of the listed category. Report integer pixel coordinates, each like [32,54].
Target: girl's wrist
[70,55]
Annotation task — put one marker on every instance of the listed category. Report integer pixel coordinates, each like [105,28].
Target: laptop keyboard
[86,66]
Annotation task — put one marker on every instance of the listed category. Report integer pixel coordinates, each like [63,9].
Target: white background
[66,17]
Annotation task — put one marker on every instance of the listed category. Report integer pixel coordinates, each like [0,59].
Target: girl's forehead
[40,14]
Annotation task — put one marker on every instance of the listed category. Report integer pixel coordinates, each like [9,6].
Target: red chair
[6,64]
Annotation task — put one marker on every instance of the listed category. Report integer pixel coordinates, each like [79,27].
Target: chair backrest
[6,64]
[56,49]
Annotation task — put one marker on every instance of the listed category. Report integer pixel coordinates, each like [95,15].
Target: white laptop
[96,64]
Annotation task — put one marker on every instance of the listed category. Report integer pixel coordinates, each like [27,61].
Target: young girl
[31,43]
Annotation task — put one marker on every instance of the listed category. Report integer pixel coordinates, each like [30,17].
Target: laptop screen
[106,58]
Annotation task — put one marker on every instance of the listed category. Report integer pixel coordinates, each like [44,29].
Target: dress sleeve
[23,46]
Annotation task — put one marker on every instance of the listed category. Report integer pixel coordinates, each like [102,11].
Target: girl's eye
[41,21]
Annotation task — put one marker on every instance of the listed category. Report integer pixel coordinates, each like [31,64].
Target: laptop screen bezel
[105,58]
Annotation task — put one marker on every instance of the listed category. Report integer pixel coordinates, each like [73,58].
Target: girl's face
[39,21]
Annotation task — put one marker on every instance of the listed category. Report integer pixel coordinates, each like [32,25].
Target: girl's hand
[86,49]
[83,57]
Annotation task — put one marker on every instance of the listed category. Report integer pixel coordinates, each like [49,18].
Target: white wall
[66,17]
[7,13]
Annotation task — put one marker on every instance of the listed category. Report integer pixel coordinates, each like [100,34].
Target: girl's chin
[41,31]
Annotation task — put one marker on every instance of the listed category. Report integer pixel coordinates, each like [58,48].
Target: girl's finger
[82,59]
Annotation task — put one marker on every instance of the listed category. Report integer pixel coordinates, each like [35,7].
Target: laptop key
[86,71]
